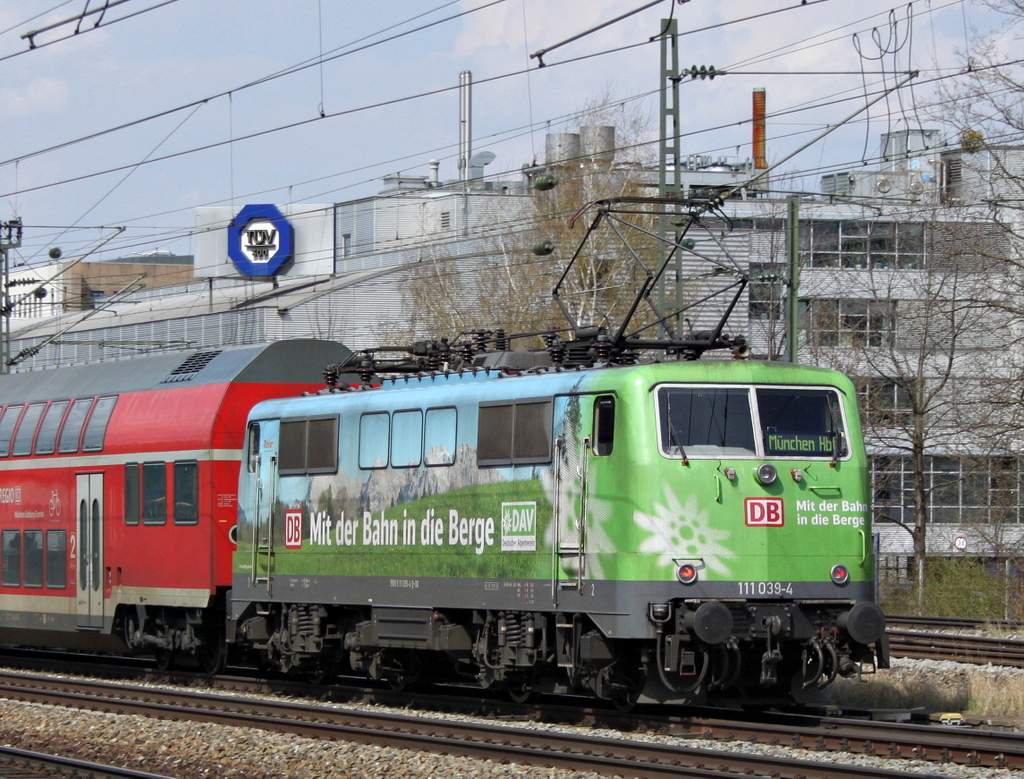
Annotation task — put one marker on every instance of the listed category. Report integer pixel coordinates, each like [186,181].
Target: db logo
[764,512]
[293,529]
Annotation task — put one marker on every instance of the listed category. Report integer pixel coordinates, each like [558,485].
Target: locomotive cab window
[705,422]
[252,449]
[516,433]
[708,422]
[804,422]
[604,425]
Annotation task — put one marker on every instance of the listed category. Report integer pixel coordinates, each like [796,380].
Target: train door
[263,438]
[572,486]
[90,512]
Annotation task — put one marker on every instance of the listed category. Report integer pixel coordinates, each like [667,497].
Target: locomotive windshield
[721,422]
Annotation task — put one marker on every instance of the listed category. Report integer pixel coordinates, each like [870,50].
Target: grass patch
[980,691]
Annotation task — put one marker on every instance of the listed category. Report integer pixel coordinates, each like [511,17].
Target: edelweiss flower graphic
[678,530]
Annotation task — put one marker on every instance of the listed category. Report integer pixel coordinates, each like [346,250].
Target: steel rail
[502,743]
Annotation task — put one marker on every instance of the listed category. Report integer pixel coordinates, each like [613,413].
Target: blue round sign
[260,240]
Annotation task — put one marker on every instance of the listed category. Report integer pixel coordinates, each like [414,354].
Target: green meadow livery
[670,532]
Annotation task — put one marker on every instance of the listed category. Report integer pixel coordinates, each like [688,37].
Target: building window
[767,290]
[860,244]
[346,245]
[883,403]
[856,323]
[959,490]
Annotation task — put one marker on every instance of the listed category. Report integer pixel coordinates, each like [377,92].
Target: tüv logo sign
[260,240]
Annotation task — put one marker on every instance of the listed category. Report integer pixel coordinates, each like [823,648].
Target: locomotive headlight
[766,474]
[840,575]
[686,573]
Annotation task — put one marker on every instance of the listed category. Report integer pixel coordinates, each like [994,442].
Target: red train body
[118,486]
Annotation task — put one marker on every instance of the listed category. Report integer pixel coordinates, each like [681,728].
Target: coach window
[73,424]
[406,439]
[439,436]
[514,433]
[374,435]
[96,427]
[131,494]
[10,558]
[56,559]
[604,425]
[154,494]
[33,558]
[7,423]
[46,441]
[186,493]
[27,429]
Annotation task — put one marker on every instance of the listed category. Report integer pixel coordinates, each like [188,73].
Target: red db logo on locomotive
[293,529]
[764,512]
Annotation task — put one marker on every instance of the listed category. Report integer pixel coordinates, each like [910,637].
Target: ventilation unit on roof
[189,369]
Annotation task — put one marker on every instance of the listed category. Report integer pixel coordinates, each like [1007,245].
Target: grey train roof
[299,361]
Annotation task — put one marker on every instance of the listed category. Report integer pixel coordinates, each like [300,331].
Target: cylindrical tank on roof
[598,142]
[562,148]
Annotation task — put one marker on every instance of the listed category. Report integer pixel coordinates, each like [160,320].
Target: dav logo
[519,527]
[764,512]
[293,529]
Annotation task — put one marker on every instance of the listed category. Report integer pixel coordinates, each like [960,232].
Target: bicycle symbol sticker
[54,504]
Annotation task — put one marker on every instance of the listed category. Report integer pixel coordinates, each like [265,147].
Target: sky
[169,105]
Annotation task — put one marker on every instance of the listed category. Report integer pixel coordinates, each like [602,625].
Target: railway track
[23,764]
[923,638]
[581,751]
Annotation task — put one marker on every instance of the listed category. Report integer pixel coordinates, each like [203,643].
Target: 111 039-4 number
[765,588]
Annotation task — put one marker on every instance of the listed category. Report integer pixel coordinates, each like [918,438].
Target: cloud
[42,95]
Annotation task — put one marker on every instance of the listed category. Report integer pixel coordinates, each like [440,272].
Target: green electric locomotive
[663,532]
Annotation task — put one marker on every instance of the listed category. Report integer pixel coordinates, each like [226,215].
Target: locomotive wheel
[214,657]
[321,670]
[520,689]
[164,660]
